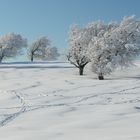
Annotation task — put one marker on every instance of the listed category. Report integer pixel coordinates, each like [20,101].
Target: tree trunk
[32,58]
[100,76]
[1,58]
[81,69]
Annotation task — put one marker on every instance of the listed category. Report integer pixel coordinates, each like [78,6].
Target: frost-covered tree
[77,52]
[117,47]
[80,39]
[11,45]
[101,59]
[51,53]
[38,48]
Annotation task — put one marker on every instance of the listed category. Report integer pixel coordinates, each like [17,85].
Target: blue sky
[34,18]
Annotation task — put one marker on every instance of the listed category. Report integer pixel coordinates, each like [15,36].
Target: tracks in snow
[10,117]
[70,100]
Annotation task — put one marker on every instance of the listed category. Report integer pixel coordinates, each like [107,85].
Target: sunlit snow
[50,101]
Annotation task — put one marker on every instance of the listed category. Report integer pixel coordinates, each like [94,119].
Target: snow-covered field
[50,101]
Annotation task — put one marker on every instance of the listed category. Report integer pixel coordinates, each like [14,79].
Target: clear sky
[34,18]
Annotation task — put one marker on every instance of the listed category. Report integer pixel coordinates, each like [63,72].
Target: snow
[50,101]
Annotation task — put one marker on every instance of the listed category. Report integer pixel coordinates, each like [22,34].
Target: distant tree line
[13,44]
[105,46]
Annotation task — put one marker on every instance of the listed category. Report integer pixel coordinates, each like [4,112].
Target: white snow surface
[50,101]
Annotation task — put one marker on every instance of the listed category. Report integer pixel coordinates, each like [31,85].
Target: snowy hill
[50,101]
